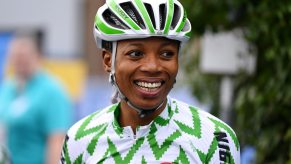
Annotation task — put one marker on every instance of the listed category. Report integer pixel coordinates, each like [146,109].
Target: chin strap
[144,112]
[141,111]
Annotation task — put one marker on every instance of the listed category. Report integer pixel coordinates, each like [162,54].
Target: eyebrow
[140,44]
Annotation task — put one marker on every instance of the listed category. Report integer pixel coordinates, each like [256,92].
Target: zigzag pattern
[228,130]
[112,149]
[182,158]
[195,130]
[159,150]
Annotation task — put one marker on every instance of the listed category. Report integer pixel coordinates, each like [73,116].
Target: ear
[106,55]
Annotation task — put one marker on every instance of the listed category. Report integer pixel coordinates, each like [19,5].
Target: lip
[150,80]
[149,94]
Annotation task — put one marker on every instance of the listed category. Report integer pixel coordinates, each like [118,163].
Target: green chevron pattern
[205,158]
[176,109]
[157,150]
[182,158]
[195,130]
[172,134]
[163,122]
[112,151]
[118,130]
[82,131]
[65,152]
[143,161]
[92,144]
[79,160]
[231,158]
[112,109]
[228,130]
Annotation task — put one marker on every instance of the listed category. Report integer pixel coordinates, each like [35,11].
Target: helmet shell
[130,19]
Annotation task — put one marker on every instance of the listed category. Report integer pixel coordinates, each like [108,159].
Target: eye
[135,54]
[167,54]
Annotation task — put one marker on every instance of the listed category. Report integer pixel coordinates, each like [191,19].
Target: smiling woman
[140,41]
[146,83]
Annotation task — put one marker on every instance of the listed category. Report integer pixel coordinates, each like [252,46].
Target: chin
[149,104]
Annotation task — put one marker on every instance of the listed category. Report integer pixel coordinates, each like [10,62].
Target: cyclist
[141,40]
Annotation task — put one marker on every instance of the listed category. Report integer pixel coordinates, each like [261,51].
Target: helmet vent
[187,26]
[176,17]
[113,20]
[163,13]
[133,13]
[151,14]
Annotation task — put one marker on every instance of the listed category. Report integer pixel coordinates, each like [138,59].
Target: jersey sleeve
[75,143]
[81,137]
[72,151]
[224,147]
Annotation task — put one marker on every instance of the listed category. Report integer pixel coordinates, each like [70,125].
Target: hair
[107,45]
[115,96]
[34,38]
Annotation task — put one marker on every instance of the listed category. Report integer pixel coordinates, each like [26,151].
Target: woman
[141,40]
[34,108]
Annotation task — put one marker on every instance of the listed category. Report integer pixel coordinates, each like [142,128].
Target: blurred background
[236,65]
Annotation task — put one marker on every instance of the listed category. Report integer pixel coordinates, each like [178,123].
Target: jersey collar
[162,120]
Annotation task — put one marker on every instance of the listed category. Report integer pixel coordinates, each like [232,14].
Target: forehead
[22,46]
[149,41]
[22,51]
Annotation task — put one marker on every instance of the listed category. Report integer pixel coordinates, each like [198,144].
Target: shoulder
[51,87]
[7,84]
[49,81]
[7,89]
[82,133]
[185,112]
[210,135]
[102,117]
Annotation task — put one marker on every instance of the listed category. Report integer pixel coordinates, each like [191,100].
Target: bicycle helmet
[131,19]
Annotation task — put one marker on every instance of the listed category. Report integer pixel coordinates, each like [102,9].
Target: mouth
[149,87]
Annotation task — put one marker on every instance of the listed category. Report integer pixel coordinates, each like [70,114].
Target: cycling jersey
[180,134]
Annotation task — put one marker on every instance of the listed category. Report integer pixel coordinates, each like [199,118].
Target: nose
[151,64]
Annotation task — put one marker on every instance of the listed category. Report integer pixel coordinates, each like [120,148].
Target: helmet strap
[141,112]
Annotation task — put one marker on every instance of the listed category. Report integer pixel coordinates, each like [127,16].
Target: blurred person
[34,108]
[140,41]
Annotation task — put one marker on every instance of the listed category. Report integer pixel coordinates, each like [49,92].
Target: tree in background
[262,101]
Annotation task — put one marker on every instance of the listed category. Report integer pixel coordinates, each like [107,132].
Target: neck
[130,117]
[23,79]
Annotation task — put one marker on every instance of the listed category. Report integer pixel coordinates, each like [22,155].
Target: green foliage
[262,101]
[204,87]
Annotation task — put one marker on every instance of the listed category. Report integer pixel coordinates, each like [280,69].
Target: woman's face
[23,58]
[146,69]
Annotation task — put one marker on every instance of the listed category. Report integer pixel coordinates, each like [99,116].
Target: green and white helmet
[128,19]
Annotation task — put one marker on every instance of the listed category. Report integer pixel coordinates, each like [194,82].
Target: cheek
[120,67]
[174,73]
[173,69]
[125,69]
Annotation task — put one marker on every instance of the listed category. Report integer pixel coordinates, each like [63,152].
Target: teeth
[149,85]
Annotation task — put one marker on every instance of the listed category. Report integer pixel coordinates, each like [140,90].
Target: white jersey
[180,134]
